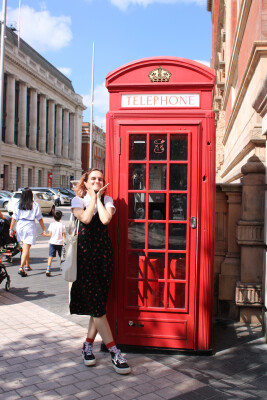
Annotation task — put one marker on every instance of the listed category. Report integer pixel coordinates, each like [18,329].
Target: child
[57,232]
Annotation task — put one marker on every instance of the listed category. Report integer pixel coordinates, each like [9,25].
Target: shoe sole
[23,274]
[123,371]
[89,363]
[48,274]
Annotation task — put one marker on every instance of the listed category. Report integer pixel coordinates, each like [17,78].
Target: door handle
[131,323]
[193,222]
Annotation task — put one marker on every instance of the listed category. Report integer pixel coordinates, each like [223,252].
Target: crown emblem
[159,75]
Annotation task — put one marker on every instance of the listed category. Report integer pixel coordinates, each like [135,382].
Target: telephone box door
[158,235]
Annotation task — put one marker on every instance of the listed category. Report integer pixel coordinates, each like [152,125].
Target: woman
[94,265]
[25,213]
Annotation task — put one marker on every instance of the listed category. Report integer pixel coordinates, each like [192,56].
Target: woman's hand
[92,193]
[11,233]
[101,191]
[44,233]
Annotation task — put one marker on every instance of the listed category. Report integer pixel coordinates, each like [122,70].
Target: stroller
[9,247]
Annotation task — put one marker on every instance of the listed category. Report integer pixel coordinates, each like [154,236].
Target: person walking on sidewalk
[57,233]
[25,212]
[94,265]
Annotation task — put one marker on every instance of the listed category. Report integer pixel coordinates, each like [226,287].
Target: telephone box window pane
[136,235]
[158,147]
[155,265]
[157,206]
[137,176]
[157,176]
[155,294]
[135,293]
[137,206]
[156,236]
[136,265]
[179,147]
[137,147]
[176,295]
[178,177]
[177,237]
[178,207]
[177,266]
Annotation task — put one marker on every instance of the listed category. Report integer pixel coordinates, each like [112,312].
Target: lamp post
[92,111]
[3,34]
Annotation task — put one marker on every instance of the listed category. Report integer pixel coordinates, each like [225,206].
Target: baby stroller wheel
[7,286]
[9,259]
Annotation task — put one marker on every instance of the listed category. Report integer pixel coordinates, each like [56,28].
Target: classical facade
[99,146]
[239,55]
[42,121]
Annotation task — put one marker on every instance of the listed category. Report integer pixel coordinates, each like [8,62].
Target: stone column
[42,122]
[66,130]
[22,114]
[59,131]
[71,138]
[33,119]
[51,126]
[10,109]
[250,236]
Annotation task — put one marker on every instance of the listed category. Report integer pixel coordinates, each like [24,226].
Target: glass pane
[135,293]
[155,265]
[156,236]
[178,207]
[136,265]
[137,206]
[179,147]
[158,147]
[155,294]
[177,237]
[157,176]
[176,295]
[178,177]
[157,206]
[177,266]
[137,147]
[137,176]
[136,235]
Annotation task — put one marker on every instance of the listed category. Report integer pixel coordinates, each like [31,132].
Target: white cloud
[65,70]
[123,4]
[207,63]
[42,30]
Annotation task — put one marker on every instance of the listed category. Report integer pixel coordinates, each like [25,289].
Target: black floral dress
[94,269]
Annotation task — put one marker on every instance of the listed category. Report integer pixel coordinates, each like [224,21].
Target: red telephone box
[160,162]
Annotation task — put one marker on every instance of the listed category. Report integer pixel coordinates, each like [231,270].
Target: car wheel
[5,205]
[52,210]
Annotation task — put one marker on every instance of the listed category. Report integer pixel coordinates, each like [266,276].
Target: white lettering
[177,100]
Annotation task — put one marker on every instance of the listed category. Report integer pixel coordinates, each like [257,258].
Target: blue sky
[63,31]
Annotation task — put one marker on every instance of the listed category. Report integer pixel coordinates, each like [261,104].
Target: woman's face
[95,181]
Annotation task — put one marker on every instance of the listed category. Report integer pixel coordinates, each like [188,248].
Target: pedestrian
[24,214]
[57,234]
[89,292]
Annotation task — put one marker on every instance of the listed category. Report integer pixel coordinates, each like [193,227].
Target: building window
[4,109]
[38,123]
[55,129]
[28,118]
[40,177]
[30,177]
[16,122]
[18,178]
[46,131]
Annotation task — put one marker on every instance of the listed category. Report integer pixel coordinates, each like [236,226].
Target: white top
[57,229]
[79,202]
[27,215]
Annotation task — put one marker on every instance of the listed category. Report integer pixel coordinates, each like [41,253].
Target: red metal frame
[188,327]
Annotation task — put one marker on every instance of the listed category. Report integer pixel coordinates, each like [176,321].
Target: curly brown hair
[80,189]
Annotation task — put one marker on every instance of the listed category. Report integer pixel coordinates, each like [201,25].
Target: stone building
[99,146]
[42,121]
[239,56]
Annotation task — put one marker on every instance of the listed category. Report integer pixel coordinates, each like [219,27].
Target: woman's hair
[26,200]
[80,189]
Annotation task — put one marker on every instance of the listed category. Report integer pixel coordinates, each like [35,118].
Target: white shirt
[28,215]
[57,229]
[79,202]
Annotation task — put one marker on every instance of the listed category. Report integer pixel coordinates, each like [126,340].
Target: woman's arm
[2,215]
[85,216]
[12,223]
[41,222]
[105,214]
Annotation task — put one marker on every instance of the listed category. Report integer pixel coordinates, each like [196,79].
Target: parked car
[6,192]
[45,202]
[4,199]
[66,192]
[64,199]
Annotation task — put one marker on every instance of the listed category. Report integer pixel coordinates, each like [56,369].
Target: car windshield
[17,196]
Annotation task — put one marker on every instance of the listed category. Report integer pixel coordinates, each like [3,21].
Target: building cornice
[209,5]
[240,29]
[259,49]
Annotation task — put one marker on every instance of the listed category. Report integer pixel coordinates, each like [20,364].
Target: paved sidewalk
[40,358]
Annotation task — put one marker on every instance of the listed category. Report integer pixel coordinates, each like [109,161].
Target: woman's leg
[25,256]
[101,325]
[92,331]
